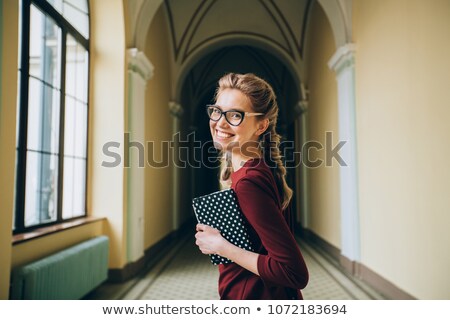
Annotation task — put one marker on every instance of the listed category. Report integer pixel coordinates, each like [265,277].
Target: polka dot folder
[221,210]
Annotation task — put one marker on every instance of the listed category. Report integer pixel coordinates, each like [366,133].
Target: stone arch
[338,13]
[218,43]
[144,19]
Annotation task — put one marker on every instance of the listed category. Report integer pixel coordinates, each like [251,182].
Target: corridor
[184,273]
[105,140]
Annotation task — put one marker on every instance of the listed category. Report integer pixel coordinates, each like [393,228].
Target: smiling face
[228,137]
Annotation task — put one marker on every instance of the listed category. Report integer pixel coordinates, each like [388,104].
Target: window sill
[41,232]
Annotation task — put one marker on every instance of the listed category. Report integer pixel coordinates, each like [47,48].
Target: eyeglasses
[233,117]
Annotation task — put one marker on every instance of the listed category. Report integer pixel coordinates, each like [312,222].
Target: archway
[338,13]
[198,90]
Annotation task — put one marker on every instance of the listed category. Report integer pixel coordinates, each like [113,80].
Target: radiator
[68,274]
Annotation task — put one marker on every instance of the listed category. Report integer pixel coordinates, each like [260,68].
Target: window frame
[23,99]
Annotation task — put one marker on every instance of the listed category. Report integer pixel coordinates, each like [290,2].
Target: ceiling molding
[279,27]
[215,58]
[300,40]
[236,35]
[144,18]
[189,49]
[217,43]
[177,46]
[306,17]
[339,21]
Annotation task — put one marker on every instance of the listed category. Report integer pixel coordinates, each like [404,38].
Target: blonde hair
[262,99]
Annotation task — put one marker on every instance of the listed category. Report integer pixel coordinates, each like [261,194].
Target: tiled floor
[185,273]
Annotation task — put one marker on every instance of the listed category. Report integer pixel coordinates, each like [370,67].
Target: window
[52,113]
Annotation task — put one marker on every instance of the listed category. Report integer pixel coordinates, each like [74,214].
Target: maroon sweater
[280,264]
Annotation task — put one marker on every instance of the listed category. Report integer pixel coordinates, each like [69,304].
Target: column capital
[343,57]
[301,107]
[138,63]
[175,109]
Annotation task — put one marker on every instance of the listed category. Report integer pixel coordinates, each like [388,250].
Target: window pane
[69,127]
[71,63]
[82,73]
[75,135]
[80,5]
[45,48]
[43,117]
[76,12]
[80,130]
[77,69]
[41,188]
[75,128]
[74,187]
[57,4]
[76,17]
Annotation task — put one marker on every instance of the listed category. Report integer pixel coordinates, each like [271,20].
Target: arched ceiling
[198,27]
[288,15]
[278,23]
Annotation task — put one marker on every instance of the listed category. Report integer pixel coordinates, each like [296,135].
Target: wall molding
[312,237]
[138,63]
[301,107]
[175,109]
[356,268]
[382,285]
[343,58]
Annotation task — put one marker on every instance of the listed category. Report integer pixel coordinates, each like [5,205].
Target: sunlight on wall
[322,116]
[8,98]
[107,112]
[158,181]
[402,77]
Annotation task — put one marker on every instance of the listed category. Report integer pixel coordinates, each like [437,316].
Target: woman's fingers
[203,227]
[208,239]
[202,246]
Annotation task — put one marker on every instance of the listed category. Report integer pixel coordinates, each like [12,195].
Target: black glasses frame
[242,113]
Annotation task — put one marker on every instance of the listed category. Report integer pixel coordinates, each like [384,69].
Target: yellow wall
[9,22]
[32,250]
[322,116]
[402,89]
[158,181]
[107,122]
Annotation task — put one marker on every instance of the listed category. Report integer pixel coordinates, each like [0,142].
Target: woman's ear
[262,126]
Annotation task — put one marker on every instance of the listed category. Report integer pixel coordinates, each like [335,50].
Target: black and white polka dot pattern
[221,210]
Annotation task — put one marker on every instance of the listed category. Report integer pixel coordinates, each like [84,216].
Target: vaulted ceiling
[194,23]
[197,28]
[277,23]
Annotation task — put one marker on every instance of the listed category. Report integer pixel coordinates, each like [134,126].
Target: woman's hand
[209,240]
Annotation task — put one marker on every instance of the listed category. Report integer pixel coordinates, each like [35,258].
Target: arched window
[52,113]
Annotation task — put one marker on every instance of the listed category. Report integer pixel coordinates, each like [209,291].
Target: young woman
[242,122]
